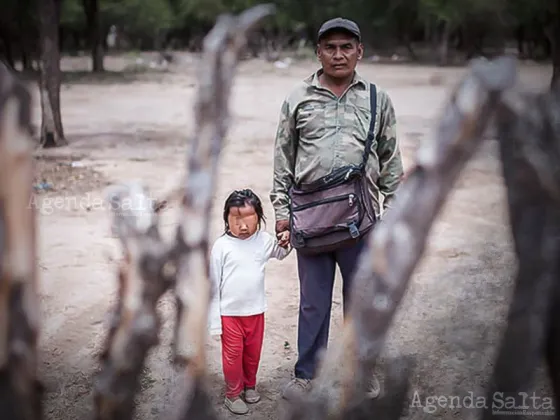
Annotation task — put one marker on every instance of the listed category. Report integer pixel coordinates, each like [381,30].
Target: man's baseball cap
[340,23]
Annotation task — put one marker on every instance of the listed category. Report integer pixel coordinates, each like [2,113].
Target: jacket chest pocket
[311,120]
[357,120]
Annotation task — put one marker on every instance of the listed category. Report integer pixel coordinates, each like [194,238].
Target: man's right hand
[282,226]
[283,232]
[283,238]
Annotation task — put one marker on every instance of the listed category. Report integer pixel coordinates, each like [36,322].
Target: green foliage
[17,15]
[208,10]
[72,14]
[523,12]
[382,21]
[454,12]
[144,17]
[135,16]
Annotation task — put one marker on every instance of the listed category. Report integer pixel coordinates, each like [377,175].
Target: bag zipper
[350,197]
[337,228]
[330,181]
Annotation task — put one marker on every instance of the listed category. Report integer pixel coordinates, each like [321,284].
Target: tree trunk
[8,53]
[52,134]
[444,45]
[25,49]
[406,36]
[26,60]
[555,42]
[520,38]
[91,10]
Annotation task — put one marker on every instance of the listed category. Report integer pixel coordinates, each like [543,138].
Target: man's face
[339,53]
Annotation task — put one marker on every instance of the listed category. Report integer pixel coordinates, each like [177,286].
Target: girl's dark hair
[239,198]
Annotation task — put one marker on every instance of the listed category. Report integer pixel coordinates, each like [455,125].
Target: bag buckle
[354,232]
[299,240]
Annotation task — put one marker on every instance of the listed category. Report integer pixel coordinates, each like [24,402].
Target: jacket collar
[313,80]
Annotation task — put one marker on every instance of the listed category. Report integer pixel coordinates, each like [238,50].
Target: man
[323,125]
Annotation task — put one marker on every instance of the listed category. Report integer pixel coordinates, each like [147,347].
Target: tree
[556,48]
[52,134]
[452,14]
[95,36]
[18,32]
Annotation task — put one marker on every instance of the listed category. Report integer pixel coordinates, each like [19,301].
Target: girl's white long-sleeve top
[237,268]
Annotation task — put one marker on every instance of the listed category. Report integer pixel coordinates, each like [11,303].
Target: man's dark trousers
[316,281]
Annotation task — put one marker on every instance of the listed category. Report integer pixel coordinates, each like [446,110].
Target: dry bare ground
[136,126]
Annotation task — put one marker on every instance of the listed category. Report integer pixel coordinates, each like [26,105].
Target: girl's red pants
[242,338]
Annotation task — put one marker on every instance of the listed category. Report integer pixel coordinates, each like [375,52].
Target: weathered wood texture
[143,278]
[529,134]
[397,243]
[220,57]
[20,390]
[151,266]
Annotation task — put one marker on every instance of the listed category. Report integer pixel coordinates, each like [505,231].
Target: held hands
[284,239]
[283,233]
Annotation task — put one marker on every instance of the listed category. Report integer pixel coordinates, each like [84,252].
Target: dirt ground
[137,125]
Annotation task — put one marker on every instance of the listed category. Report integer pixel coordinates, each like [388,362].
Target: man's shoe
[296,386]
[374,389]
[251,396]
[236,406]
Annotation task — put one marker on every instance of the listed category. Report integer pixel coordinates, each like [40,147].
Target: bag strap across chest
[371,132]
[343,173]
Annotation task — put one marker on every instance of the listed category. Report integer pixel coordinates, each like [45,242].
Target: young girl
[237,262]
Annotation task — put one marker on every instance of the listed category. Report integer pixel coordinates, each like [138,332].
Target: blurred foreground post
[151,266]
[394,248]
[20,391]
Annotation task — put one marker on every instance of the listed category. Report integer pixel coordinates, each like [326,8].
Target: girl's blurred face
[243,221]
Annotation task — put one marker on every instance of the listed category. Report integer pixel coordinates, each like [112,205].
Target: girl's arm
[275,250]
[215,272]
